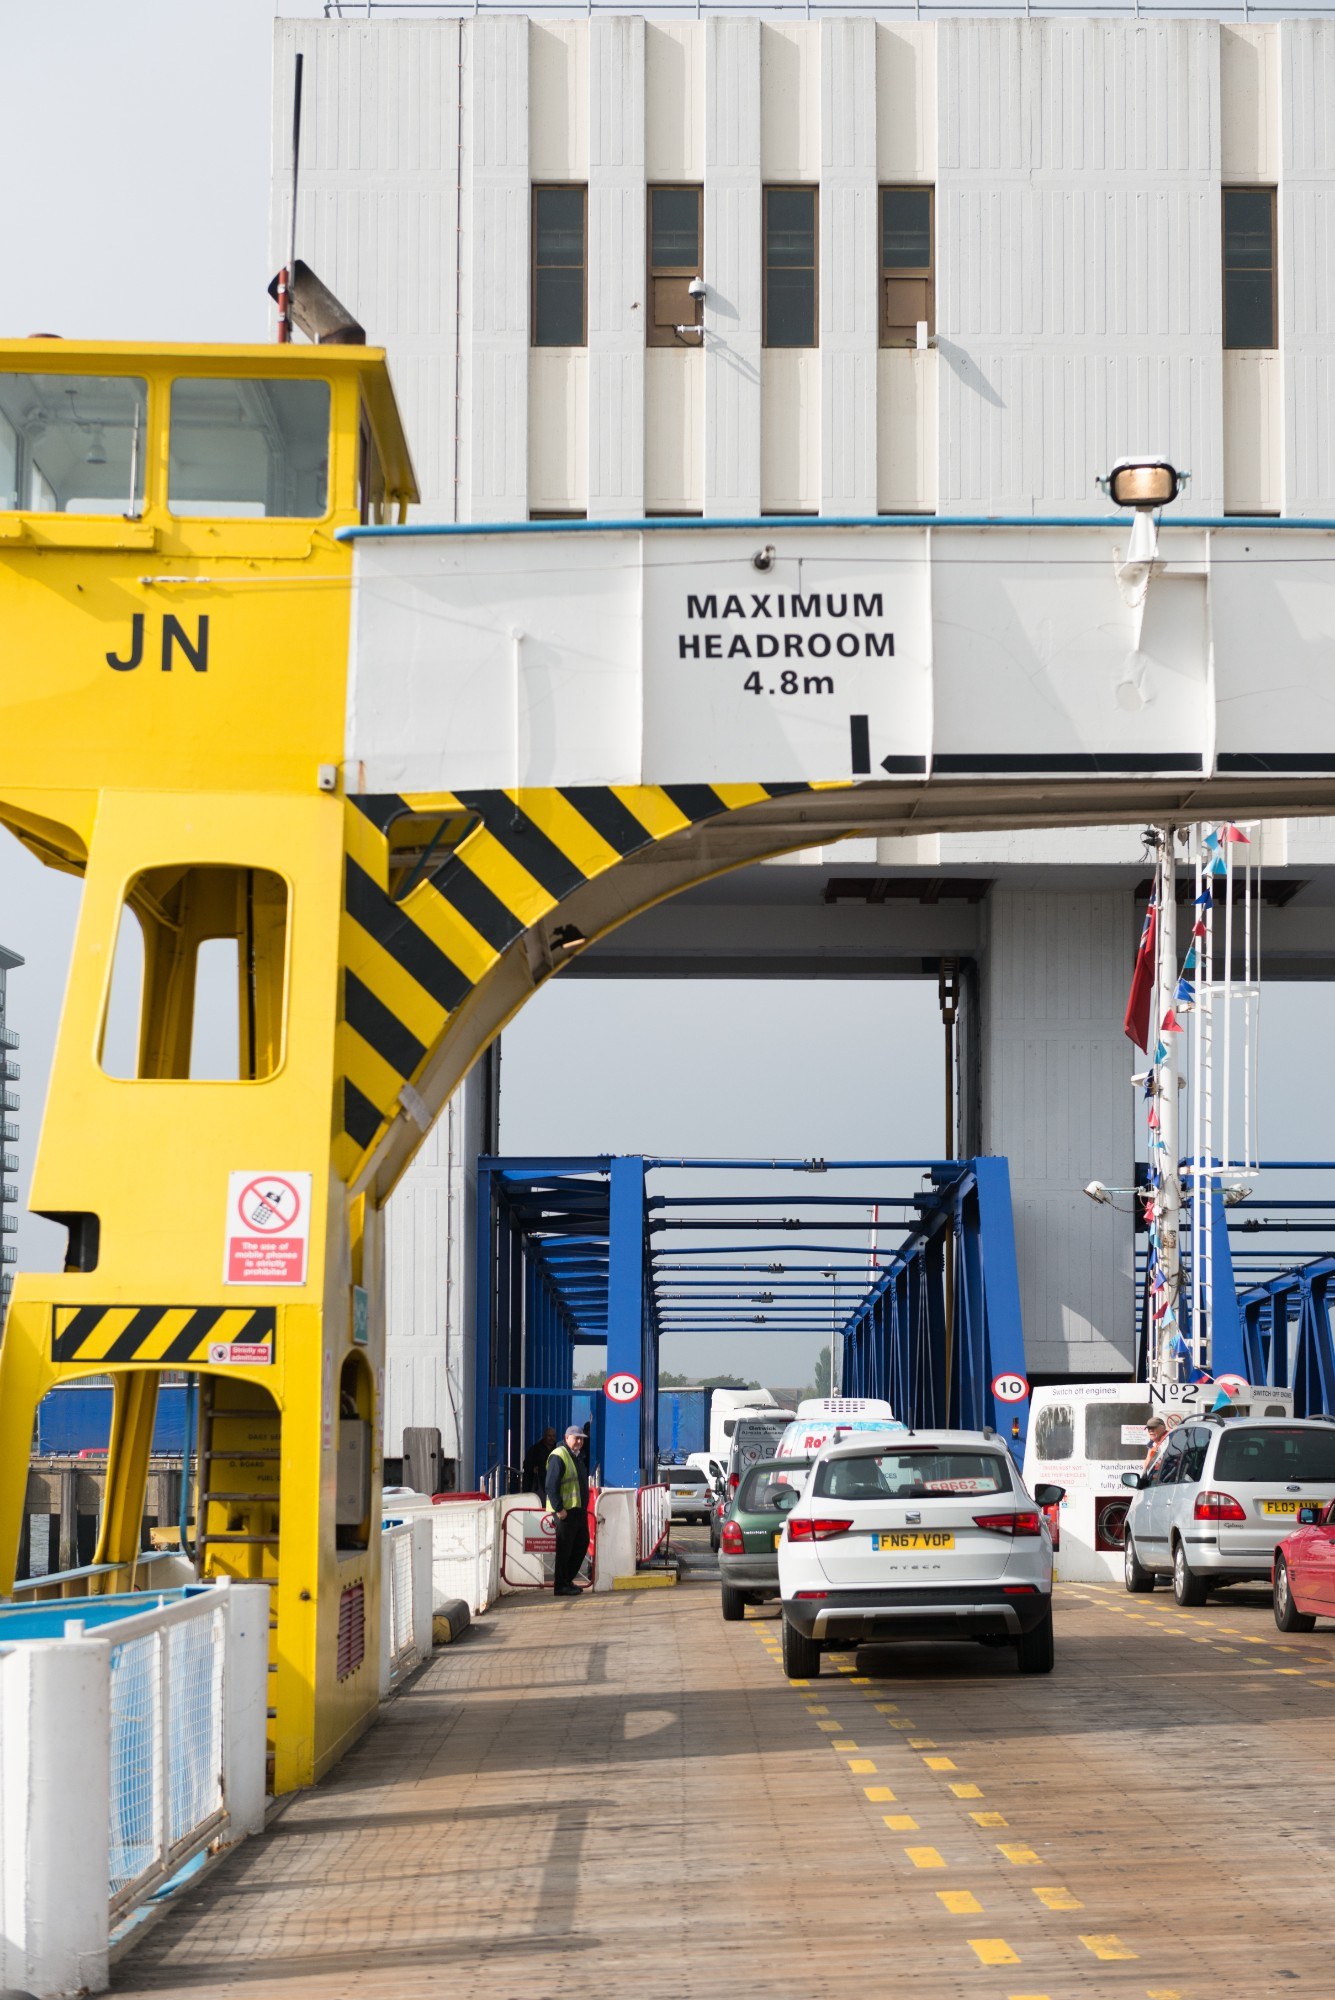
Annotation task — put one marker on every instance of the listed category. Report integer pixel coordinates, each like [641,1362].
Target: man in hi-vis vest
[568,1499]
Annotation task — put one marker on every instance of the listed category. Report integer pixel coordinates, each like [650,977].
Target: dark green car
[748,1560]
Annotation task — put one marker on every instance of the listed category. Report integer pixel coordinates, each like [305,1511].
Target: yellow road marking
[921,1743]
[880,1795]
[1316,1659]
[1226,1649]
[1023,1857]
[989,1819]
[900,1822]
[940,1763]
[960,1902]
[862,1767]
[817,1708]
[1107,1946]
[1252,1640]
[994,1951]
[1232,1630]
[830,1727]
[1163,1993]
[887,1707]
[925,1857]
[967,1791]
[1323,1684]
[860,1681]
[799,1684]
[843,1743]
[1058,1899]
[1288,1670]
[900,1723]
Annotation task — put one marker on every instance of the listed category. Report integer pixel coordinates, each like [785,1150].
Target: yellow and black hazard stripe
[409,964]
[168,1336]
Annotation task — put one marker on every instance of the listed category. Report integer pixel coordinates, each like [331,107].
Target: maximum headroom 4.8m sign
[621,658]
[815,667]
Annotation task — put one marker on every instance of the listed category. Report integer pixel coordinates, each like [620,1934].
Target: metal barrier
[69,1583]
[528,1548]
[406,1597]
[132,1740]
[653,1521]
[466,1557]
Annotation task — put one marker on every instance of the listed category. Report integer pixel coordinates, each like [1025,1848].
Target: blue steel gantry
[915,1286]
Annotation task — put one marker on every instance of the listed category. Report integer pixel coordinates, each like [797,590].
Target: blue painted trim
[764,522]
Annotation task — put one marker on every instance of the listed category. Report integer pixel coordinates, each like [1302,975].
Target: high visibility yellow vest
[569,1477]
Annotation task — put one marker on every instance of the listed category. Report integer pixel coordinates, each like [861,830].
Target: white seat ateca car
[917,1535]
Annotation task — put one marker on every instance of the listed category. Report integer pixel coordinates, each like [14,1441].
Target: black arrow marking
[861,742]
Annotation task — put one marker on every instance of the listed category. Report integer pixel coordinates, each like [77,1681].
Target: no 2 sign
[622,1388]
[1009,1388]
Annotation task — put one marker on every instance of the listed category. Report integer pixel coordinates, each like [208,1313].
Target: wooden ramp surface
[623,1796]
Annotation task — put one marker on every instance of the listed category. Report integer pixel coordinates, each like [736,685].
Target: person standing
[568,1499]
[534,1476]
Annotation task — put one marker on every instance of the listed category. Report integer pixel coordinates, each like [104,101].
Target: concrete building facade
[951,267]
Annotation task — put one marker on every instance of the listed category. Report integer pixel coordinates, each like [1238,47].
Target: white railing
[813,10]
[653,1521]
[405,1598]
[466,1562]
[125,1749]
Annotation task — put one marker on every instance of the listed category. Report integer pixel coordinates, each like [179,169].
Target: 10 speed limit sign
[623,1388]
[1009,1388]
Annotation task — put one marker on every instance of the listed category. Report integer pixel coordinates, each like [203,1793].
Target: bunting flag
[1236,835]
[1170,1025]
[1189,962]
[1198,930]
[1205,901]
[1185,996]
[1212,840]
[1160,1052]
[1136,1022]
[1153,1121]
[1219,866]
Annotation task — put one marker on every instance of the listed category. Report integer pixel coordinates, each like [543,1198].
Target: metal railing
[397,1582]
[653,1521]
[814,10]
[134,1740]
[167,1692]
[81,1582]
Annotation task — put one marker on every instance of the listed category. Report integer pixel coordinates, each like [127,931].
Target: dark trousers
[572,1545]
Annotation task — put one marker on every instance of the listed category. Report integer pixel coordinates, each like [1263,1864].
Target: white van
[819,1417]
[1085,1435]
[727,1405]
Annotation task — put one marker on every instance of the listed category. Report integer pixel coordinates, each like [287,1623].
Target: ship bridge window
[249,448]
[72,444]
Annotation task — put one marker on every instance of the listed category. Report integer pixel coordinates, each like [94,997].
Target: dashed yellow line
[925,1857]
[960,1902]
[901,1822]
[967,1791]
[829,1727]
[989,1819]
[880,1795]
[861,1767]
[1016,1852]
[1058,1899]
[843,1743]
[940,1763]
[1105,1945]
[993,1951]
[921,1743]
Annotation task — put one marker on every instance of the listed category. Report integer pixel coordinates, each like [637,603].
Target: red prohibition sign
[263,1197]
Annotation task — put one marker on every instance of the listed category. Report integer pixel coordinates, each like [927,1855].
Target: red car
[1302,1574]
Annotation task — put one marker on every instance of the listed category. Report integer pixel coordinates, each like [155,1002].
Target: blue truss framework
[1272,1311]
[578,1252]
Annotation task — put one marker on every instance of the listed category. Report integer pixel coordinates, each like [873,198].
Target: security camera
[697,289]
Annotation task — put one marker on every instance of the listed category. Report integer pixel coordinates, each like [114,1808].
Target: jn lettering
[173,635]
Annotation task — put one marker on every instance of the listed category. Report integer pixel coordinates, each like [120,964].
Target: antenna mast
[285,276]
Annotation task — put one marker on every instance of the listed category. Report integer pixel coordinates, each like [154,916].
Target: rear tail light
[810,1593]
[1216,1506]
[801,1529]
[732,1539]
[1008,1524]
[1020,1589]
[734,1481]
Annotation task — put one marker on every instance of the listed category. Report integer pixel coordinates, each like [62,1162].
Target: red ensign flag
[1137,1021]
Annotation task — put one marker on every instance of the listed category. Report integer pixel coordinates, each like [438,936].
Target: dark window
[790,267]
[1276,1455]
[675,257]
[1168,1464]
[1193,1456]
[1114,1432]
[908,284]
[1055,1433]
[1249,267]
[912,1475]
[559,266]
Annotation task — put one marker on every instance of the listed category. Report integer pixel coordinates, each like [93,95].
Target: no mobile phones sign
[268,1229]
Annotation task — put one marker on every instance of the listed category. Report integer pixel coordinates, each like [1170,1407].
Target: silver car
[1220,1496]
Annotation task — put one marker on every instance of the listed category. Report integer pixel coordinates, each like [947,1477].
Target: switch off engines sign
[268,1229]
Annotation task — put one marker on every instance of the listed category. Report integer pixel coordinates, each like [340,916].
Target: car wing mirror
[1049,1496]
[1133,1479]
[1308,1517]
